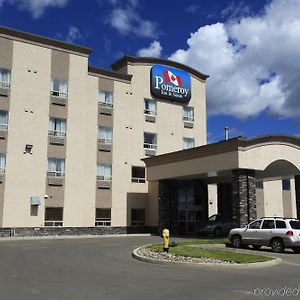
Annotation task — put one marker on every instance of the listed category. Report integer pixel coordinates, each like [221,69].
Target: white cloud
[37,7]
[192,8]
[154,50]
[126,20]
[253,62]
[73,34]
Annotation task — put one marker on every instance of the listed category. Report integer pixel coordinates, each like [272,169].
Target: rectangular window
[137,217]
[103,217]
[138,174]
[150,140]
[59,88]
[53,216]
[188,113]
[2,163]
[57,127]
[56,167]
[286,185]
[104,172]
[105,135]
[149,107]
[188,143]
[105,98]
[280,224]
[3,120]
[4,78]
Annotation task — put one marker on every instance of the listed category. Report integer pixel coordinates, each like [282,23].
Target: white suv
[275,232]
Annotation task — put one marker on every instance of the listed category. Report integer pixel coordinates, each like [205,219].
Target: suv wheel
[218,232]
[277,245]
[236,241]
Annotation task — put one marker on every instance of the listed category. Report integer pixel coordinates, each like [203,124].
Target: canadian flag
[170,77]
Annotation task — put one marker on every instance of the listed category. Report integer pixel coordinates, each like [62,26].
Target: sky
[250,49]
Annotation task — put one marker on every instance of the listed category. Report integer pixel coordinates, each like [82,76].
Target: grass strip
[186,248]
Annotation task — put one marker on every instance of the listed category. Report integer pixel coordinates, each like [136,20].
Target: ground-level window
[103,217]
[137,217]
[188,143]
[138,174]
[54,216]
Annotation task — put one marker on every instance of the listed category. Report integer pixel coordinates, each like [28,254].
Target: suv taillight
[290,233]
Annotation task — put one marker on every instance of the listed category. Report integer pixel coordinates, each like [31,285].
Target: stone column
[168,206]
[297,193]
[224,198]
[243,196]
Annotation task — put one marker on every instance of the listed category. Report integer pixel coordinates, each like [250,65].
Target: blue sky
[250,49]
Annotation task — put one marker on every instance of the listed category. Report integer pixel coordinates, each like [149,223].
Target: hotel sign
[171,84]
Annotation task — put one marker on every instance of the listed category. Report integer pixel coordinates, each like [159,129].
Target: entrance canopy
[271,157]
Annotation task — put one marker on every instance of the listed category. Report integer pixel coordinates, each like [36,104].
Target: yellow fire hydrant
[165,236]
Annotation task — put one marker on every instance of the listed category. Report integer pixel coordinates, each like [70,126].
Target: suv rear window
[280,224]
[295,224]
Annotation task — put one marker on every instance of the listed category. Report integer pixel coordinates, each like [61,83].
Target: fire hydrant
[165,236]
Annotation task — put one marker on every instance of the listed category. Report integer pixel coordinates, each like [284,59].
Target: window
[137,217]
[2,163]
[268,224]
[149,107]
[150,140]
[259,184]
[3,120]
[53,216]
[105,135]
[57,127]
[188,113]
[188,143]
[255,225]
[286,185]
[59,88]
[104,172]
[105,98]
[4,78]
[103,217]
[56,167]
[280,224]
[138,174]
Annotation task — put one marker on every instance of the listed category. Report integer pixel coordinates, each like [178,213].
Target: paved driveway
[103,268]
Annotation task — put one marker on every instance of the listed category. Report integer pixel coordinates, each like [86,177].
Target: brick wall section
[243,196]
[224,191]
[297,192]
[168,206]
[73,231]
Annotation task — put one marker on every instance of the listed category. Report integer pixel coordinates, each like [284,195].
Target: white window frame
[56,167]
[188,113]
[150,145]
[62,90]
[188,143]
[105,98]
[105,135]
[150,107]
[103,221]
[5,82]
[104,171]
[54,124]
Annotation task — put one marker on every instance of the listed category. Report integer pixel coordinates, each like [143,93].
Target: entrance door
[190,215]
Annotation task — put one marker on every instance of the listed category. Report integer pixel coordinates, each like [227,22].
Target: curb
[275,261]
[70,237]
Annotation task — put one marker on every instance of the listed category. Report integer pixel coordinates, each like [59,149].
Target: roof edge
[44,40]
[109,73]
[153,60]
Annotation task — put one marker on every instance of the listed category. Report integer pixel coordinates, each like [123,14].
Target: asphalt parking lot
[102,268]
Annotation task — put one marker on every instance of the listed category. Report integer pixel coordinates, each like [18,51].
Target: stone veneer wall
[73,231]
[243,196]
[168,206]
